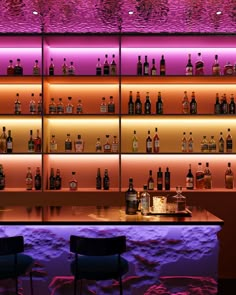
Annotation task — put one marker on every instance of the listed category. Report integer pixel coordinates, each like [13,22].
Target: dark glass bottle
[139,66]
[162,66]
[224,105]
[37,143]
[131,199]
[193,104]
[106,67]
[231,107]
[51,68]
[18,69]
[98,179]
[229,142]
[147,105]
[189,67]
[153,69]
[99,68]
[113,66]
[37,179]
[111,105]
[150,182]
[58,180]
[159,179]
[167,179]
[149,143]
[106,180]
[10,68]
[9,142]
[146,67]
[138,105]
[52,180]
[2,178]
[217,107]
[159,104]
[130,104]
[189,179]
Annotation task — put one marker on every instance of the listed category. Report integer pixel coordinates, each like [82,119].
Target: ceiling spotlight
[131,12]
[219,12]
[35,12]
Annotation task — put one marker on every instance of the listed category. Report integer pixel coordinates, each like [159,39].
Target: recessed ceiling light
[219,12]
[131,12]
[35,12]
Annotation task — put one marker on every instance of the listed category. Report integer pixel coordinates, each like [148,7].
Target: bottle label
[31,146]
[151,185]
[184,146]
[98,148]
[29,182]
[79,146]
[107,147]
[156,143]
[2,181]
[138,108]
[17,108]
[111,108]
[135,146]
[68,146]
[69,109]
[229,145]
[103,108]
[199,68]
[229,181]
[190,147]
[189,71]
[9,145]
[53,147]
[131,197]
[207,181]
[149,145]
[60,109]
[58,183]
[52,109]
[32,108]
[73,185]
[114,147]
[189,183]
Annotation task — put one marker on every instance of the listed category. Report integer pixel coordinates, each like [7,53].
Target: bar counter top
[92,215]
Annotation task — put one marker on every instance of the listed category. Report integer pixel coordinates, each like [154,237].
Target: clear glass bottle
[32,105]
[229,177]
[68,144]
[207,177]
[36,68]
[3,141]
[71,69]
[145,201]
[131,199]
[190,143]
[106,180]
[185,104]
[212,145]
[199,66]
[53,144]
[10,68]
[204,145]
[103,105]
[113,66]
[64,67]
[179,200]
[199,177]
[107,145]
[29,179]
[73,183]
[134,143]
[115,145]
[69,107]
[150,181]
[111,105]
[31,143]
[79,107]
[17,105]
[52,107]
[148,143]
[147,105]
[79,144]
[60,106]
[216,67]
[98,145]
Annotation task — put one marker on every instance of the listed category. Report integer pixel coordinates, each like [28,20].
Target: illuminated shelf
[82,190]
[27,79]
[80,79]
[78,116]
[179,116]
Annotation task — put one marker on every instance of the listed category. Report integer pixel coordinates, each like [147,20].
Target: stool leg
[31,283]
[121,286]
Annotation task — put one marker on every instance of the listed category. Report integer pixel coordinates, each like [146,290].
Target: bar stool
[98,259]
[12,263]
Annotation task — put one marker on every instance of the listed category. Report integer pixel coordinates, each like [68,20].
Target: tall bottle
[159,179]
[216,67]
[37,143]
[135,143]
[68,144]
[111,105]
[229,177]
[199,177]
[199,66]
[51,68]
[189,179]
[18,68]
[36,68]
[162,66]
[185,104]
[148,143]
[229,142]
[224,105]
[53,144]
[159,104]
[131,199]
[32,105]
[139,66]
[145,201]
[58,180]
[3,141]
[29,179]
[207,177]
[98,179]
[17,105]
[153,69]
[98,68]
[146,66]
[64,67]
[107,145]
[130,104]
[31,143]
[190,143]
[138,104]
[106,66]
[150,182]
[193,104]
[79,144]
[231,106]
[73,183]
[2,178]
[9,142]
[189,67]
[115,145]
[156,142]
[106,180]
[37,179]
[221,143]
[10,68]
[217,106]
[113,66]
[184,143]
[147,105]
[51,184]
[167,179]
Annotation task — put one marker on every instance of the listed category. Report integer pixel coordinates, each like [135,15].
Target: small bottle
[73,183]
[153,69]
[98,68]
[98,179]
[3,141]
[204,145]
[139,67]
[167,179]
[111,106]
[79,107]
[207,177]
[103,105]
[150,182]
[199,177]
[162,66]
[130,104]
[148,143]
[51,180]
[145,201]
[159,179]
[106,66]
[71,69]
[185,104]
[189,67]
[52,107]
[212,145]
[145,66]
[53,144]
[32,105]
[36,68]
[179,200]
[221,143]
[37,142]
[184,143]
[190,143]
[37,179]
[159,104]
[135,143]
[31,143]
[138,104]
[106,180]
[58,180]
[189,179]
[156,142]
[69,107]
[60,106]
[98,145]
[107,145]
[228,69]
[29,179]
[115,145]
[18,69]
[131,199]
[40,104]
[229,177]
[217,106]
[147,105]
[79,144]
[64,67]
[10,68]
[229,142]
[17,105]
[51,68]
[193,104]
[68,144]
[231,106]
[2,178]
[9,142]
[216,67]
[113,66]
[199,66]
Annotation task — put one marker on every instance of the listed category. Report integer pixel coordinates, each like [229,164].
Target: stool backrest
[97,246]
[11,245]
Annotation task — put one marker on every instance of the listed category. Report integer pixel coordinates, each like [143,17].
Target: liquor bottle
[156,142]
[199,177]
[189,67]
[39,104]
[79,107]
[147,105]
[18,69]
[53,144]
[98,145]
[115,145]
[153,69]
[229,177]
[79,144]
[71,69]
[224,105]
[162,66]
[107,145]
[190,143]
[3,141]
[184,143]
[150,182]
[229,142]
[2,178]
[32,105]
[51,68]
[58,180]
[98,179]
[212,145]
[52,180]
[68,144]
[69,107]
[159,179]
[36,68]
[185,104]
[138,104]
[103,105]
[148,143]
[193,104]
[189,179]
[204,145]
[37,179]
[60,106]
[207,177]
[111,106]
[37,143]
[199,66]
[9,142]
[217,106]
[31,143]
[145,201]
[106,66]
[29,179]
[139,66]
[106,180]
[167,179]
[130,104]
[216,67]
[146,66]
[135,143]
[73,183]
[52,106]
[64,67]
[231,106]
[228,69]
[159,104]
[113,66]
[17,105]
[98,68]
[131,199]
[10,68]
[221,143]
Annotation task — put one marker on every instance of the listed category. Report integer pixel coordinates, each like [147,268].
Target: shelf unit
[84,51]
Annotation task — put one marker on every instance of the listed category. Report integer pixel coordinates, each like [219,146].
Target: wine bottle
[150,182]
[167,179]
[229,142]
[193,104]
[106,180]
[131,199]
[159,179]
[51,180]
[229,177]
[106,66]
[9,142]
[2,178]
[58,180]
[189,67]
[139,66]
[29,179]
[159,104]
[51,68]
[135,143]
[189,179]
[153,69]
[217,106]
[138,104]
[156,142]
[207,177]
[99,68]
[37,179]
[146,66]
[148,143]
[147,105]
[98,179]
[162,66]
[130,104]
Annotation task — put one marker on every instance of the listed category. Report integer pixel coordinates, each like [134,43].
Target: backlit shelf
[27,79]
[80,79]
[83,190]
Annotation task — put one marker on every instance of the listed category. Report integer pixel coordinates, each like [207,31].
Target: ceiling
[111,16]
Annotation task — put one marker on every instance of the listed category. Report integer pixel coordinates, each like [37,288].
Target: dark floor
[227,287]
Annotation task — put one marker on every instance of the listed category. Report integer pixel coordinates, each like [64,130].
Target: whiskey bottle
[148,143]
[52,107]
[107,145]
[184,143]
[150,182]
[68,144]
[106,66]
[52,180]
[64,67]
[17,105]
[114,145]
[9,142]
[36,68]
[221,143]
[159,104]
[10,68]
[199,177]
[58,180]
[145,66]
[98,68]
[193,104]
[156,142]
[37,179]
[111,106]
[231,106]
[98,145]
[18,69]
[167,179]
[3,141]
[212,145]
[69,107]
[32,105]
[207,177]
[228,69]
[135,143]
[53,144]
[29,179]
[159,179]
[189,179]
[37,143]
[199,66]
[106,180]
[217,106]
[2,178]
[40,105]
[138,104]
[131,199]
[31,143]
[145,201]
[190,143]
[98,179]
[147,105]
[79,107]
[185,104]
[189,67]
[139,66]
[60,106]
[229,142]
[162,66]
[130,104]
[229,177]
[73,183]
[71,69]
[103,105]
[204,145]
[153,69]
[51,68]
[79,144]
[113,66]
[216,67]
[224,105]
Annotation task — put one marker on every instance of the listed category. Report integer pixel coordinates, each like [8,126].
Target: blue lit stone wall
[163,259]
